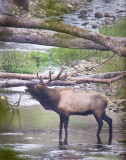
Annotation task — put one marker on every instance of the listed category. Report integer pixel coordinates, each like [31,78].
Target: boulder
[94,26]
[83,11]
[121,103]
[98,15]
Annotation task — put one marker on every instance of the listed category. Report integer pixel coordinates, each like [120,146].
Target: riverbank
[88,14]
[38,8]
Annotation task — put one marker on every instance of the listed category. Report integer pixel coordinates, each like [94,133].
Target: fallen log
[105,41]
[106,75]
[97,80]
[42,37]
[23,76]
[14,83]
[68,82]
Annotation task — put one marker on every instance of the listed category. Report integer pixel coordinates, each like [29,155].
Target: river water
[30,132]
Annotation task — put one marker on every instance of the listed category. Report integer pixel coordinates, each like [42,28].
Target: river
[30,132]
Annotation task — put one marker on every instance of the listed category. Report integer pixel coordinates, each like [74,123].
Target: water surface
[32,133]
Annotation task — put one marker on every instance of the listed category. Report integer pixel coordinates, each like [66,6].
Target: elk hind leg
[109,121]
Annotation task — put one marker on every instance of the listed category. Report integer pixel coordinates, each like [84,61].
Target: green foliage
[121,89]
[61,55]
[115,64]
[22,62]
[50,7]
[117,29]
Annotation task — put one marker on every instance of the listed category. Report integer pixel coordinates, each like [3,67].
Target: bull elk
[68,101]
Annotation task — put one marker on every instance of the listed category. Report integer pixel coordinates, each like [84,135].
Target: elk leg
[61,126]
[100,124]
[109,121]
[66,121]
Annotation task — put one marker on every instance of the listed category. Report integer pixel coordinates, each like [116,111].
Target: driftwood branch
[108,42]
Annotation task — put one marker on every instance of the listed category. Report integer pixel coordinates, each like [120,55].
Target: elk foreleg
[61,127]
[64,120]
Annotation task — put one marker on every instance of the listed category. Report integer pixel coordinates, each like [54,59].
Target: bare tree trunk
[105,41]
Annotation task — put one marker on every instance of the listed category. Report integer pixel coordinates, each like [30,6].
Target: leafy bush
[60,55]
[117,29]
[22,62]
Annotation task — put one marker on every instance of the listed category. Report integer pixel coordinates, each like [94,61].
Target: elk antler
[40,78]
[50,79]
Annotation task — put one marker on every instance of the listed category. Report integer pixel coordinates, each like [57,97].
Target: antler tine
[40,78]
[50,79]
[57,77]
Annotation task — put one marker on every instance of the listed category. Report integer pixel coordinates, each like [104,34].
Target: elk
[68,101]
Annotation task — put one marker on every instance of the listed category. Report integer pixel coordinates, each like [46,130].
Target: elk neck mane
[48,98]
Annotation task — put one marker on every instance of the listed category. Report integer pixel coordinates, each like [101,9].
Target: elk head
[40,90]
